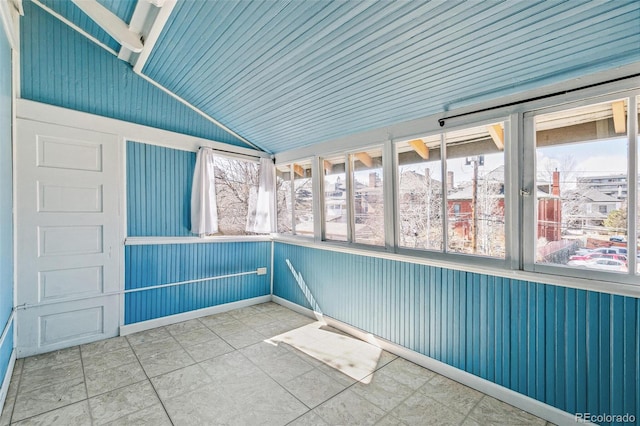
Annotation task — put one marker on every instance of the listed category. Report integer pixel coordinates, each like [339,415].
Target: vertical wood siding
[576,350]
[6,202]
[61,67]
[163,264]
[158,190]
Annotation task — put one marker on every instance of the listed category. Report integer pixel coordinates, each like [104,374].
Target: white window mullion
[389,167]
[632,191]
[351,214]
[445,213]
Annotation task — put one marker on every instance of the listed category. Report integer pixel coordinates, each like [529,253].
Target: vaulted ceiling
[287,74]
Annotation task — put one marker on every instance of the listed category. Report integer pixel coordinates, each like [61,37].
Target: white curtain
[204,211]
[263,221]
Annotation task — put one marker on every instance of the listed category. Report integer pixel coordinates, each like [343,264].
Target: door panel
[68,249]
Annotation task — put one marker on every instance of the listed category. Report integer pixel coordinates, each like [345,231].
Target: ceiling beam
[166,7]
[109,22]
[420,147]
[497,134]
[364,158]
[298,169]
[328,167]
[619,121]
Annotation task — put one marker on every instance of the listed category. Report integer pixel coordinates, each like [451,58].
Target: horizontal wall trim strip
[6,381]
[144,241]
[37,111]
[7,326]
[580,88]
[199,280]
[543,278]
[516,399]
[133,290]
[185,316]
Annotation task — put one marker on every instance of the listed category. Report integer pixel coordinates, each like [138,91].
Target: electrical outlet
[262,271]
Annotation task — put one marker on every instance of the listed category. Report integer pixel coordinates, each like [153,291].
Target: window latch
[525,191]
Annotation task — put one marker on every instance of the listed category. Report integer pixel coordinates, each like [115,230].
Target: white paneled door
[68,248]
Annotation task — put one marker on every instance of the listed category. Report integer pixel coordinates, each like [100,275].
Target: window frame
[387,189]
[292,193]
[528,183]
[466,122]
[512,110]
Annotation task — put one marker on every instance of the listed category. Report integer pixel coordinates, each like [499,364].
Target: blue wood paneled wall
[61,67]
[158,198]
[162,264]
[158,190]
[6,202]
[576,350]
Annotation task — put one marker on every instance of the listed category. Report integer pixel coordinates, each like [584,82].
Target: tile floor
[222,369]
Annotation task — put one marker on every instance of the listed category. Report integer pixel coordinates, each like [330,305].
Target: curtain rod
[442,120]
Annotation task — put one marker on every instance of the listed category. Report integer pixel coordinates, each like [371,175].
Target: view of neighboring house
[612,185]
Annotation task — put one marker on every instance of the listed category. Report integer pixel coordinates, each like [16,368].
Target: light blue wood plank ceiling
[287,74]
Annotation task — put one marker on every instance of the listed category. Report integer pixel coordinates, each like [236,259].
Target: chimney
[450,181]
[555,188]
[373,177]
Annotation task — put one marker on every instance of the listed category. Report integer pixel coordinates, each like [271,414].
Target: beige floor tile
[209,349]
[407,373]
[48,376]
[244,312]
[72,415]
[313,388]
[48,398]
[491,411]
[229,327]
[262,350]
[165,362]
[151,416]
[107,380]
[284,367]
[309,419]
[421,410]
[269,405]
[243,338]
[257,320]
[184,327]
[180,381]
[143,337]
[108,360]
[104,346]
[122,402]
[389,420]
[272,329]
[384,391]
[7,411]
[209,405]
[235,373]
[52,359]
[156,347]
[195,337]
[349,408]
[454,395]
[217,319]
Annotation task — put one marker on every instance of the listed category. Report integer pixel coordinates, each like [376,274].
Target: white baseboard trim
[7,379]
[185,316]
[516,399]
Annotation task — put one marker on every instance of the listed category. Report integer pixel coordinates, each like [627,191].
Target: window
[236,192]
[354,197]
[475,184]
[473,190]
[297,217]
[420,193]
[581,185]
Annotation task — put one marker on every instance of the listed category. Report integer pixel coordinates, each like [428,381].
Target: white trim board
[37,111]
[6,381]
[125,330]
[501,393]
[144,241]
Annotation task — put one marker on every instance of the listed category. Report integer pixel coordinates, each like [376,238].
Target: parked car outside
[607,265]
